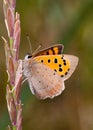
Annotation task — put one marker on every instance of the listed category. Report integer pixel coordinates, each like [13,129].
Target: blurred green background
[49,22]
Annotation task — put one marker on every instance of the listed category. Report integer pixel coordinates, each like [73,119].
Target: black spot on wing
[49,60]
[55,60]
[60,65]
[42,61]
[62,75]
[62,57]
[47,53]
[53,51]
[66,73]
[64,61]
[60,69]
[68,69]
[55,70]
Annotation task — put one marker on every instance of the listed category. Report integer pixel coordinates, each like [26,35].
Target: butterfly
[46,71]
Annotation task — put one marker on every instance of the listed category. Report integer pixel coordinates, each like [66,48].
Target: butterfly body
[47,70]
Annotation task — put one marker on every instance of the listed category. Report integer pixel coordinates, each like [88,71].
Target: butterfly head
[28,56]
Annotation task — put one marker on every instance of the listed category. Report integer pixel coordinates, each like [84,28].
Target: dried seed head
[18,81]
[13,112]
[9,20]
[11,105]
[11,71]
[19,117]
[16,36]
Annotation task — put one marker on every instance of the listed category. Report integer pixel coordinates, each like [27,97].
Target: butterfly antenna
[40,45]
[29,41]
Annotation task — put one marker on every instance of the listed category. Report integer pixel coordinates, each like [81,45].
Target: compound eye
[28,56]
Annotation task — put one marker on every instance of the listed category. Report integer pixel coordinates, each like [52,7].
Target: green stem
[14,128]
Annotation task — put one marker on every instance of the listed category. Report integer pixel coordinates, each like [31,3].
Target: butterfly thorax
[27,63]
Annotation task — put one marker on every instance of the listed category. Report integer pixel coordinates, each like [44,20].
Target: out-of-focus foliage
[50,22]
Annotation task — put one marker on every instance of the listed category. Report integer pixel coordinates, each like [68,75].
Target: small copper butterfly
[47,70]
